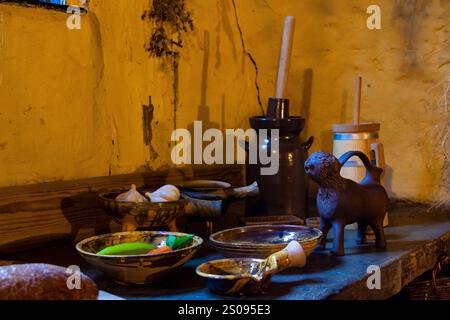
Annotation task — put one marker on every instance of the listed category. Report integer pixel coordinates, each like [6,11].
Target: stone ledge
[416,239]
[400,271]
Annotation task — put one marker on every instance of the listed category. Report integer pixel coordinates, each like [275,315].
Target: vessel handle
[243,192]
[208,209]
[308,144]
[377,150]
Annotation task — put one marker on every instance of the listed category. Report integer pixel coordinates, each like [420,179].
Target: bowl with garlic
[146,209]
[143,209]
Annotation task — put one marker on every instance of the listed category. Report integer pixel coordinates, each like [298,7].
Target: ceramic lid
[354,128]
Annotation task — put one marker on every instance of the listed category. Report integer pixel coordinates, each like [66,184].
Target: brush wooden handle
[285,56]
[357,105]
[243,192]
[291,256]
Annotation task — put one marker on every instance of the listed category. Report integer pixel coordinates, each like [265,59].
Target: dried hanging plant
[170,20]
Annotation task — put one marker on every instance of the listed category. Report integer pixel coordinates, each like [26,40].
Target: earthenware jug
[283,193]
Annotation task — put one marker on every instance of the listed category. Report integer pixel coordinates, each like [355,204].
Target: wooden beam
[36,214]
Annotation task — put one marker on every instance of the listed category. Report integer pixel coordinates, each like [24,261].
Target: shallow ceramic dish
[263,240]
[136,269]
[233,276]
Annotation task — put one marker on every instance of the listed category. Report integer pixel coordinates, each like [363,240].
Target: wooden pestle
[285,56]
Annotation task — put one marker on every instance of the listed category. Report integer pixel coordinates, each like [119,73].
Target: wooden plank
[33,215]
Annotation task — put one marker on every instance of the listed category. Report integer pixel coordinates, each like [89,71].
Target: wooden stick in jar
[357,106]
[285,56]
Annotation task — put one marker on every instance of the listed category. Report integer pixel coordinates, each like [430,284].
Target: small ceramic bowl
[313,222]
[263,240]
[233,277]
[136,269]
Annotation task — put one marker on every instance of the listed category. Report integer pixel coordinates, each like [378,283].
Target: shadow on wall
[409,16]
[308,76]
[326,139]
[73,209]
[343,117]
[388,178]
[203,112]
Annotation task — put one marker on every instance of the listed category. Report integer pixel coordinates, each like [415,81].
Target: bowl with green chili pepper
[139,257]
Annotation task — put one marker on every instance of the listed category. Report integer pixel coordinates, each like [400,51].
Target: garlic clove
[167,193]
[155,199]
[131,196]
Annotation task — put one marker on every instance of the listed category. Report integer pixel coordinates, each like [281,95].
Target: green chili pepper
[131,248]
[170,241]
[182,241]
[178,242]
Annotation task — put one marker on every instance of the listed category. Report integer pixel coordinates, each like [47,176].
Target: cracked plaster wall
[71,101]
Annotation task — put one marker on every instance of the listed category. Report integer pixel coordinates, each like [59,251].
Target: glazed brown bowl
[263,240]
[200,199]
[142,214]
[233,277]
[136,269]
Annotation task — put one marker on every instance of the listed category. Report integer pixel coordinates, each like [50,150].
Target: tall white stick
[285,56]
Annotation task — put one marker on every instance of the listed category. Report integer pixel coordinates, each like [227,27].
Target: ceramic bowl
[313,222]
[233,276]
[142,214]
[136,269]
[263,240]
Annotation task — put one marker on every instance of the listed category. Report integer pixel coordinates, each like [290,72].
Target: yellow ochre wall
[71,100]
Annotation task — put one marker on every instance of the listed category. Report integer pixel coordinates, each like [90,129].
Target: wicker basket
[436,288]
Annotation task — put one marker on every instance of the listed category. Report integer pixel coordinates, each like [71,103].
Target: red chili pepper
[160,250]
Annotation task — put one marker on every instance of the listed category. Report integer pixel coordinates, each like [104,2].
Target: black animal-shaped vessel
[342,201]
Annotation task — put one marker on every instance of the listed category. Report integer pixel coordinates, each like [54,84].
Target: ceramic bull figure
[342,201]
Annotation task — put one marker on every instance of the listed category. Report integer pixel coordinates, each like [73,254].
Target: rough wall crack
[250,56]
